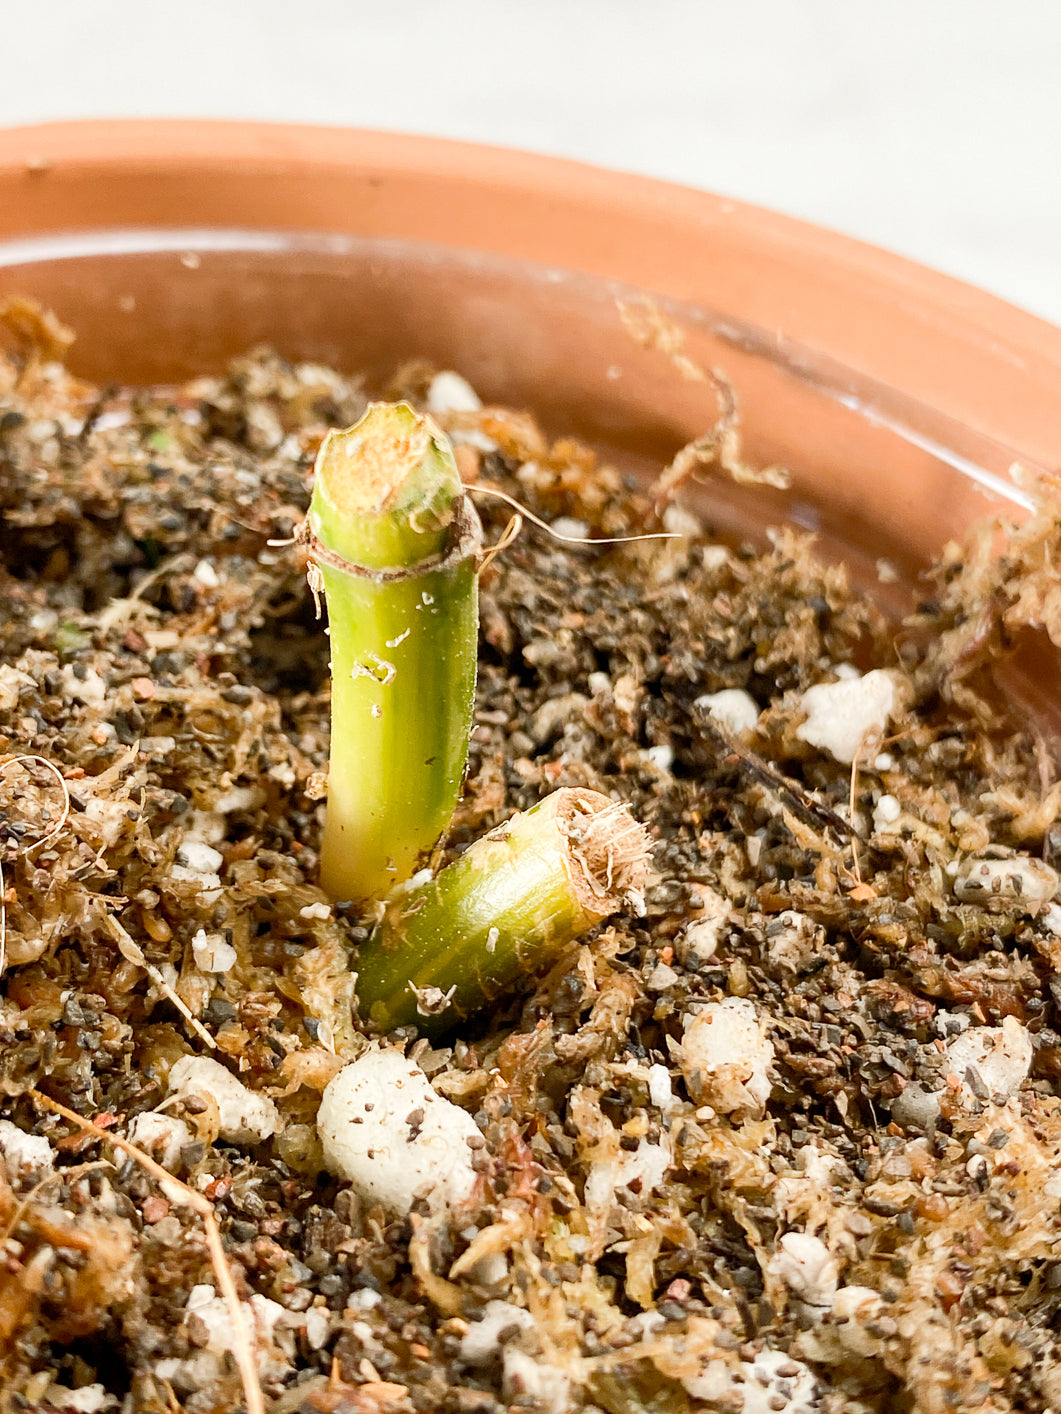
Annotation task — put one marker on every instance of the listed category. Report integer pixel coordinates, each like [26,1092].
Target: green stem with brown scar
[508,907]
[395,542]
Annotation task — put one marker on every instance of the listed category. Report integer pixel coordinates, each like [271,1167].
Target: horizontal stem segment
[508,907]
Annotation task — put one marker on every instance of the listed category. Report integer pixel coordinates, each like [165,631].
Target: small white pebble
[531,1380]
[886,811]
[733,708]
[662,757]
[484,1337]
[660,1092]
[713,557]
[883,761]
[807,1268]
[315,912]
[205,574]
[90,688]
[318,1327]
[213,1311]
[23,1153]
[387,1132]
[856,1303]
[842,716]
[726,1056]
[199,857]
[246,1117]
[88,1399]
[661,977]
[161,1135]
[212,953]
[1001,1056]
[449,392]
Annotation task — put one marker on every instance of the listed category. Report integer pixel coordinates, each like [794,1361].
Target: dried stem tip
[508,907]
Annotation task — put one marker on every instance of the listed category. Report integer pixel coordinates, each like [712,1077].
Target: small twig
[131,950]
[812,812]
[180,1194]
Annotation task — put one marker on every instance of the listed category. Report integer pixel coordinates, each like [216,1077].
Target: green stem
[396,542]
[509,906]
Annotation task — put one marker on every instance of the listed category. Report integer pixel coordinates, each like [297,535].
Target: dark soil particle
[847,1203]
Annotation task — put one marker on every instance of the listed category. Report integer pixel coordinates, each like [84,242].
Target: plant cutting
[393,543]
[394,540]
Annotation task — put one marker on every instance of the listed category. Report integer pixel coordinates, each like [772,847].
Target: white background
[932,127]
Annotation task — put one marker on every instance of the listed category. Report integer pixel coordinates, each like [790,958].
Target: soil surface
[791,1140]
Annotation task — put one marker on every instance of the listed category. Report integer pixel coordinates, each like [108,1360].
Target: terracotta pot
[898,398]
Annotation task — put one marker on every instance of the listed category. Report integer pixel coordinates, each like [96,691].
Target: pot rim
[986,364]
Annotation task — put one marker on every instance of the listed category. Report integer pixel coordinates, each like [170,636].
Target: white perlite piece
[213,1310]
[161,1136]
[771,1383]
[212,953]
[23,1154]
[89,1399]
[195,854]
[726,1056]
[843,716]
[807,1268]
[245,1116]
[660,1092]
[886,811]
[641,1170]
[732,708]
[531,1380]
[486,1336]
[449,392]
[699,942]
[1015,884]
[386,1131]
[1000,1058]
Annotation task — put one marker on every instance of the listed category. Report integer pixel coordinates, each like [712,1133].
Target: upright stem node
[395,541]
